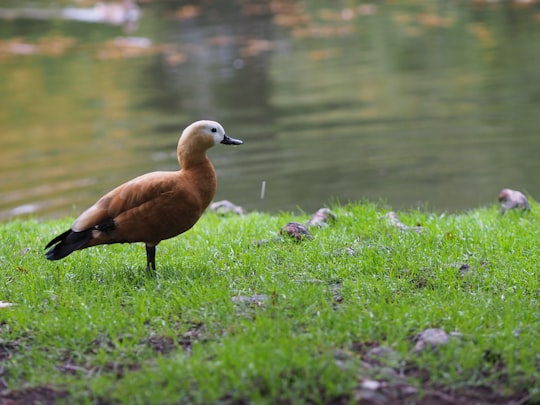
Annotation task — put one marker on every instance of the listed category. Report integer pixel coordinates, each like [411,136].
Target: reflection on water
[410,103]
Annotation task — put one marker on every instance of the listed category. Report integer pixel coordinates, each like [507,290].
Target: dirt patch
[161,344]
[30,396]
[470,396]
[166,344]
[9,348]
[384,379]
[120,369]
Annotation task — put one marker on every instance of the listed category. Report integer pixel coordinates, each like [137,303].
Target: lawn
[238,313]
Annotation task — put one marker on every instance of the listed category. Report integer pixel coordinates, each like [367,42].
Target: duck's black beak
[227,140]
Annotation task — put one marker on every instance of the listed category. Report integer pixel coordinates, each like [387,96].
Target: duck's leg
[151,259]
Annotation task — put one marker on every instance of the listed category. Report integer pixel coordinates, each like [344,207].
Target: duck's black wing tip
[66,243]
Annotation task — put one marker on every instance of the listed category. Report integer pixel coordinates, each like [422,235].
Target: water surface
[421,103]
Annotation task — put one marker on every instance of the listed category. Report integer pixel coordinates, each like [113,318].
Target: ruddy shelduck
[154,206]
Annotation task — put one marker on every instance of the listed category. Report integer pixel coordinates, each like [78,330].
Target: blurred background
[415,103]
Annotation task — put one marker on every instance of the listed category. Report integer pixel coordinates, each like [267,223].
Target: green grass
[96,328]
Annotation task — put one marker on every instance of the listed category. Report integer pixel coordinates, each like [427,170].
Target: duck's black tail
[66,243]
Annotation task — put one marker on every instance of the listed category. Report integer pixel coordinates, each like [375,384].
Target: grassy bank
[328,320]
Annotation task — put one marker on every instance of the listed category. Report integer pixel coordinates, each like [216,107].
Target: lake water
[414,103]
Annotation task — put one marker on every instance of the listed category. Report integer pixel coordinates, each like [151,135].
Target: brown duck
[154,206]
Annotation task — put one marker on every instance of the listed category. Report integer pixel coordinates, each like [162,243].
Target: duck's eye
[214,129]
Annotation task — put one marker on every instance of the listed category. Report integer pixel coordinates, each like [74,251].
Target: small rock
[464,269]
[321,218]
[394,221]
[226,207]
[370,384]
[297,231]
[512,199]
[348,251]
[343,355]
[430,338]
[261,242]
[257,299]
[369,396]
[24,251]
[382,355]
[344,360]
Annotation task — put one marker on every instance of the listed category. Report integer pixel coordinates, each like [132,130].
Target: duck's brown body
[154,206]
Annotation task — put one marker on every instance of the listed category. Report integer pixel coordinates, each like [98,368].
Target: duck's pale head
[207,134]
[198,137]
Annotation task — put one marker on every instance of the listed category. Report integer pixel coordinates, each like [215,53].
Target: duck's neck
[192,153]
[201,174]
[188,159]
